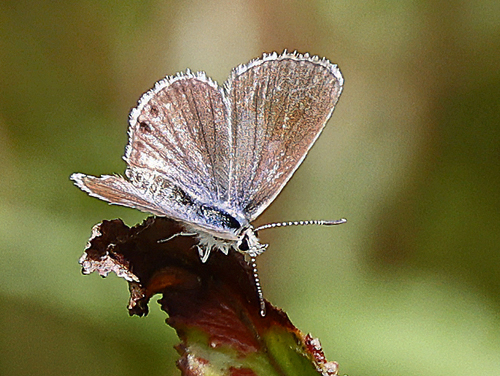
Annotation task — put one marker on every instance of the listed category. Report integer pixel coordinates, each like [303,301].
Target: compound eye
[243,244]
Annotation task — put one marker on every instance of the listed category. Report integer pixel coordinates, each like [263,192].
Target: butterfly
[214,158]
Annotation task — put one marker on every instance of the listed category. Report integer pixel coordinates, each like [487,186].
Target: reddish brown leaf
[213,306]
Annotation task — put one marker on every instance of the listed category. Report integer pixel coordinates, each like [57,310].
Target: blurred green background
[409,286]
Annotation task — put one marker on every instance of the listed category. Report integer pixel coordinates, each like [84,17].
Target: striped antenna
[302,223]
[256,279]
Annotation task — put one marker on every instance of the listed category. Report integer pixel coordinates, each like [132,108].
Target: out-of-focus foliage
[411,158]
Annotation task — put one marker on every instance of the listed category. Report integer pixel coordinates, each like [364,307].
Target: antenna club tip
[263,311]
[336,222]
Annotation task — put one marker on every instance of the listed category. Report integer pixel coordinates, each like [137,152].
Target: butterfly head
[248,243]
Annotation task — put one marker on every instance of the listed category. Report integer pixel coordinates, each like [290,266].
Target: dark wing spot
[181,197]
[144,127]
[154,111]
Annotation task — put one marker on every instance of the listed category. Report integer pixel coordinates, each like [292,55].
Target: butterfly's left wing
[179,130]
[278,106]
[177,156]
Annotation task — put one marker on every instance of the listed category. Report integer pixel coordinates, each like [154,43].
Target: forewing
[278,106]
[177,155]
[179,130]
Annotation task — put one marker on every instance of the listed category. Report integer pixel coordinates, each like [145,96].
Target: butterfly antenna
[302,223]
[258,286]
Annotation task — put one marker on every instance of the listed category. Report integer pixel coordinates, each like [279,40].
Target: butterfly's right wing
[278,106]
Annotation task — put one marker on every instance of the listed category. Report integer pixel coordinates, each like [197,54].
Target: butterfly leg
[204,253]
[176,235]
